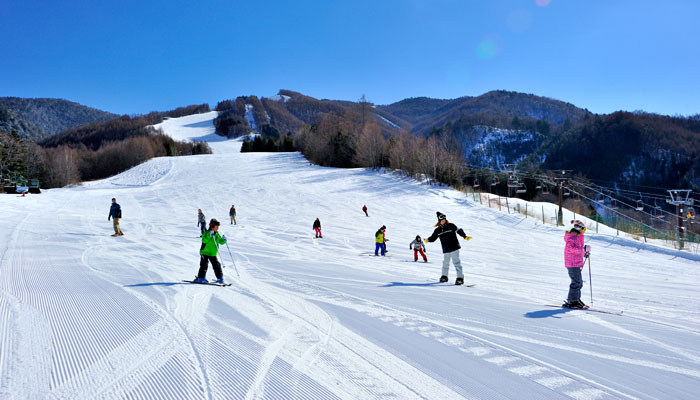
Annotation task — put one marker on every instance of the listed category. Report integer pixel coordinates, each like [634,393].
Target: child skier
[201,222]
[317,228]
[447,232]
[575,253]
[380,241]
[418,247]
[210,247]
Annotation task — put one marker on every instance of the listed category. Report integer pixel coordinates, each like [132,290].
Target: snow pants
[233,219]
[415,254]
[454,256]
[318,232]
[204,265]
[203,226]
[379,246]
[576,284]
[115,224]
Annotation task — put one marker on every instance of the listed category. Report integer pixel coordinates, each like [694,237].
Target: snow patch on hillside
[250,117]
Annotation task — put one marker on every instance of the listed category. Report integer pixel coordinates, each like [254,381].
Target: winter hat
[578,225]
[441,216]
[214,222]
[418,237]
[382,228]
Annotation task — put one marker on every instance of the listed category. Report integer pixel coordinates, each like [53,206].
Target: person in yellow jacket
[380,241]
[207,253]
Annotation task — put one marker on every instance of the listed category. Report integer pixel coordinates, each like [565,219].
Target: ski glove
[213,233]
[587,248]
[467,238]
[425,240]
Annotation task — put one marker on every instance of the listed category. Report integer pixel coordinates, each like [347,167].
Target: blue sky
[133,57]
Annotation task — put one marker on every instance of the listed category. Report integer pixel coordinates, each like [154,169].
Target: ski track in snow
[84,315]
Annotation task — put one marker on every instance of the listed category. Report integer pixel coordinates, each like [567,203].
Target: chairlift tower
[680,198]
[560,180]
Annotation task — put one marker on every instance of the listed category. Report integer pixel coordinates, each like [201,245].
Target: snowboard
[209,283]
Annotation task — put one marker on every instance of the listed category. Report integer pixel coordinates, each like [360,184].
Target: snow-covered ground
[84,315]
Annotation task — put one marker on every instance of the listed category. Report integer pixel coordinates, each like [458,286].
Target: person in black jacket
[447,233]
[317,228]
[115,212]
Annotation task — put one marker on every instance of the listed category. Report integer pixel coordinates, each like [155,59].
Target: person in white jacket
[418,247]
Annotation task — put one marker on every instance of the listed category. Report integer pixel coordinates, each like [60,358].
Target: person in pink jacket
[575,254]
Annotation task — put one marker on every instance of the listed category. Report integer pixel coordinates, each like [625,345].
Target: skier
[575,253]
[364,208]
[232,214]
[115,212]
[418,247]
[380,241]
[201,221]
[447,232]
[208,251]
[317,228]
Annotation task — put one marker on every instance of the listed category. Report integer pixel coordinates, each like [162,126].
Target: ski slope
[84,315]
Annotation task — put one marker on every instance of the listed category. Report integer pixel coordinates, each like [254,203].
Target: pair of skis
[209,283]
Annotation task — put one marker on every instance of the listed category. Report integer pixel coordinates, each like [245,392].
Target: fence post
[507,206]
[480,199]
[488,197]
[525,210]
[499,202]
[596,225]
[542,215]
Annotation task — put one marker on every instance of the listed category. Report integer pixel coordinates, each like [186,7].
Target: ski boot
[443,279]
[459,281]
[220,280]
[580,305]
[200,280]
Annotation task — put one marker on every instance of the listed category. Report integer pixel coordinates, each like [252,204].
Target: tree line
[94,151]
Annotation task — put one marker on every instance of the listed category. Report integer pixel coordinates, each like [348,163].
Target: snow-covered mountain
[84,315]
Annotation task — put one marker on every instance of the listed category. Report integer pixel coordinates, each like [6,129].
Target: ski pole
[234,262]
[590,278]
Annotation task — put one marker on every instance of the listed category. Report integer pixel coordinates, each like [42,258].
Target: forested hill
[425,113]
[37,119]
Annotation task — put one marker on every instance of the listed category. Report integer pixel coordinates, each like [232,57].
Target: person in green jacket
[207,253]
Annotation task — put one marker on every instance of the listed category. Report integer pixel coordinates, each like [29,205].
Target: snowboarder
[380,241]
[115,212]
[575,253]
[447,233]
[201,221]
[364,208]
[418,247]
[317,228]
[208,251]
[232,214]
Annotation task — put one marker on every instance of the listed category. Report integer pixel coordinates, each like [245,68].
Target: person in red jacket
[364,208]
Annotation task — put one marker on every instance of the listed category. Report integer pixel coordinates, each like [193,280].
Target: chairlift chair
[521,188]
[476,183]
[690,213]
[538,185]
[545,189]
[613,204]
[658,212]
[640,205]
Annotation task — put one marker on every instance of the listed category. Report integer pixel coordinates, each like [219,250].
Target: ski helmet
[214,222]
[578,225]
